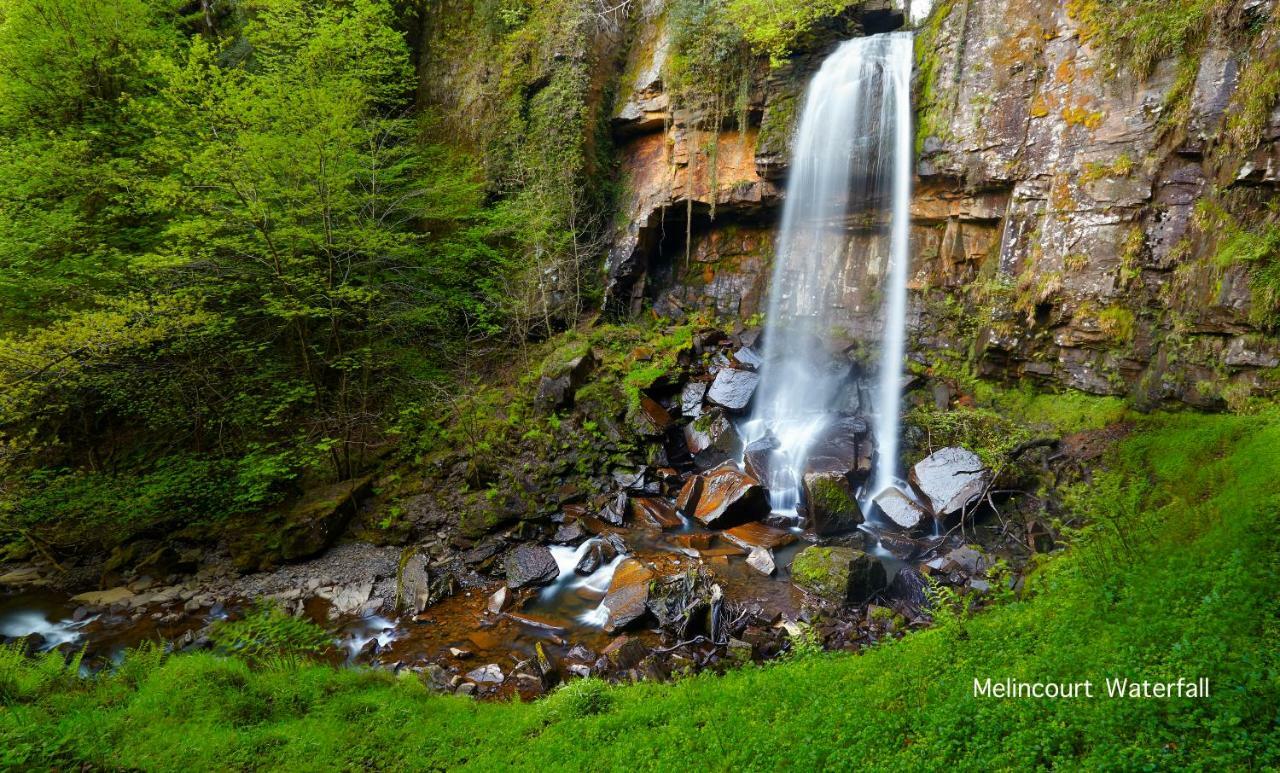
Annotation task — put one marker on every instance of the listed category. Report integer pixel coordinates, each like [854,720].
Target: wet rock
[761,559]
[26,575]
[623,653]
[838,574]
[483,556]
[591,560]
[499,601]
[842,447]
[628,594]
[649,419]
[748,357]
[901,546]
[654,512]
[949,479]
[733,389]
[901,509]
[712,439]
[757,455]
[556,390]
[689,495]
[489,674]
[830,503]
[691,398]
[757,535]
[730,497]
[530,565]
[698,540]
[910,588]
[614,511]
[570,534]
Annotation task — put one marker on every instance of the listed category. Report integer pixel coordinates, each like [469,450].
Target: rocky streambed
[678,563]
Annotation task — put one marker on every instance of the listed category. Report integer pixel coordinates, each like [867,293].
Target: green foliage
[1193,495]
[268,631]
[933,103]
[1140,33]
[1253,244]
[778,28]
[580,698]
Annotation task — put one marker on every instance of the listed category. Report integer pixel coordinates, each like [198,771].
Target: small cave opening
[1043,313]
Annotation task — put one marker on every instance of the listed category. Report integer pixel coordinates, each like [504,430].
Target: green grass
[1174,577]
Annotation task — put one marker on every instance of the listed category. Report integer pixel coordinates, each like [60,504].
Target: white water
[569,581]
[24,622]
[852,152]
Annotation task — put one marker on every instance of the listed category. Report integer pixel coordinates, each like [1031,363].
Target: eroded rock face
[838,574]
[949,479]
[712,439]
[730,497]
[1043,166]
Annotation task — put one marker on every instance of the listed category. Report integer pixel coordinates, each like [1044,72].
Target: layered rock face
[1058,226]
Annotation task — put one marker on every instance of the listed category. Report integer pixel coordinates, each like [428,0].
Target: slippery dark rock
[900,546]
[628,594]
[530,565]
[712,440]
[654,512]
[901,509]
[829,501]
[690,492]
[649,419]
[838,574]
[569,534]
[950,479]
[757,535]
[910,588]
[757,455]
[730,497]
[843,447]
[733,389]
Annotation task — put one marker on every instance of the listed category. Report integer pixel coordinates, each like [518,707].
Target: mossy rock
[830,503]
[301,530]
[838,574]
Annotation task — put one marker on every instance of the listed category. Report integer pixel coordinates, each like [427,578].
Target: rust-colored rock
[758,535]
[655,512]
[690,493]
[628,594]
[730,497]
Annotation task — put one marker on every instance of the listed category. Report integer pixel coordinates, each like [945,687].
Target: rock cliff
[1074,211]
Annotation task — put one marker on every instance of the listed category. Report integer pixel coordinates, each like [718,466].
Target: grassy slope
[1193,594]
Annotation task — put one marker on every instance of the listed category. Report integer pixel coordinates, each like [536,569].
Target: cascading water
[852,153]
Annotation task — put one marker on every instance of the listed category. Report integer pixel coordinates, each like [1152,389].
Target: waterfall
[852,154]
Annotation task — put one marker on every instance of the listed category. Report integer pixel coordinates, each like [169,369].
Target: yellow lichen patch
[1039,106]
[1078,115]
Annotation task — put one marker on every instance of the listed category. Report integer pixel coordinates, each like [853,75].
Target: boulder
[843,446]
[628,594]
[569,534]
[901,509]
[748,357]
[655,512]
[758,454]
[838,574]
[733,389]
[305,528]
[691,398]
[758,535]
[530,565]
[829,501]
[556,390]
[901,546]
[949,479]
[690,492]
[490,674]
[761,559]
[730,497]
[911,590]
[712,439]
[413,582]
[648,418]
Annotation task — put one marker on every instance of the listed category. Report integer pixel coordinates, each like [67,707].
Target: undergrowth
[1173,577]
